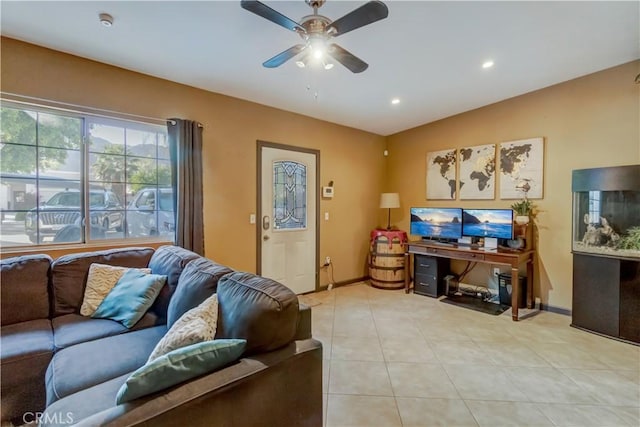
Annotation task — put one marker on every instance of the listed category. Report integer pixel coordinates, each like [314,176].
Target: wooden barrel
[386,259]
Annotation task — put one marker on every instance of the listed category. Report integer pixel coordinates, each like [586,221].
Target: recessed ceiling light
[106,20]
[395,101]
[487,64]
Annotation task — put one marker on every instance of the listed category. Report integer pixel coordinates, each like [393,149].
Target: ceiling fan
[317,30]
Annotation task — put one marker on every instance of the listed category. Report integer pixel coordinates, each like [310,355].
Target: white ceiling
[428,54]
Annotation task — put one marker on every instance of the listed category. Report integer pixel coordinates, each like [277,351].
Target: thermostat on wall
[327,192]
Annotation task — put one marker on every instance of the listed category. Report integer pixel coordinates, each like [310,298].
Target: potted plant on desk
[522,210]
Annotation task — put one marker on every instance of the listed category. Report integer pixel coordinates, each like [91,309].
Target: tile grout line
[386,366]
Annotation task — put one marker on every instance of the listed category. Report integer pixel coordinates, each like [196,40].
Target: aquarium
[606,211]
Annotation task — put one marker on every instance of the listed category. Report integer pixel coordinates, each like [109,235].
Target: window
[72,178]
[147,200]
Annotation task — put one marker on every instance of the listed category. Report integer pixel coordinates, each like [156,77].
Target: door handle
[265,237]
[265,222]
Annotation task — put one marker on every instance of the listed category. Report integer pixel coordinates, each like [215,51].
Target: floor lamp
[389,201]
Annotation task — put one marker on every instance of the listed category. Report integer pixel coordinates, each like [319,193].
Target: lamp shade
[389,200]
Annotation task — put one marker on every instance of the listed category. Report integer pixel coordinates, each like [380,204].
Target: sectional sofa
[62,368]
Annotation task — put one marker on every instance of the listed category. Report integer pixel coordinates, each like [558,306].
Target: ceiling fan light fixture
[317,31]
[318,48]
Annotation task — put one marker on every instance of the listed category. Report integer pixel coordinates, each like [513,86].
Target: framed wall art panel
[441,175]
[477,172]
[522,168]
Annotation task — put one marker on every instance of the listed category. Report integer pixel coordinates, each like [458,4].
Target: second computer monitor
[488,223]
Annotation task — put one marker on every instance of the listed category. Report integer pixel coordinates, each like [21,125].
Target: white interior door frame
[259,199]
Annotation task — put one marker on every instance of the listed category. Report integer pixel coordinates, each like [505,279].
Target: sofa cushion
[198,281]
[26,349]
[260,310]
[72,329]
[169,261]
[101,279]
[180,365]
[25,339]
[83,404]
[131,297]
[87,364]
[69,274]
[24,285]
[196,325]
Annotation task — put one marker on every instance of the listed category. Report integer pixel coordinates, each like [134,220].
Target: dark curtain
[185,148]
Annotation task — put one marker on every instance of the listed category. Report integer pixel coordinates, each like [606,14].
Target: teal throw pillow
[180,365]
[131,297]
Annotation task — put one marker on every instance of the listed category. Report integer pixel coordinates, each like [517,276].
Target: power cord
[329,268]
[333,281]
[470,266]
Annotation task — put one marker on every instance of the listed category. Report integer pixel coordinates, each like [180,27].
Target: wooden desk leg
[530,283]
[407,269]
[515,290]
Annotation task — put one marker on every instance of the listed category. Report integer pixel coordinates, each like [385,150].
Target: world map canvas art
[477,172]
[521,168]
[441,175]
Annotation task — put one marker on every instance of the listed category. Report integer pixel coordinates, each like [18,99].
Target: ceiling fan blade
[283,57]
[346,58]
[364,15]
[266,12]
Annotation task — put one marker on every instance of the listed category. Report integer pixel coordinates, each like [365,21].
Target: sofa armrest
[303,329]
[281,387]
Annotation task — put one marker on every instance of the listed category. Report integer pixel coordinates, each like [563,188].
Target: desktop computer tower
[505,290]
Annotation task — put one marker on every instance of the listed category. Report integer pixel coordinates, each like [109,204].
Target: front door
[287,216]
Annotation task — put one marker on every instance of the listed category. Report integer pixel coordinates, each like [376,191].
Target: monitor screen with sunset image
[488,223]
[436,223]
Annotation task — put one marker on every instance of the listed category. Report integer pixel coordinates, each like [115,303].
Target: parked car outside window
[106,213]
[150,213]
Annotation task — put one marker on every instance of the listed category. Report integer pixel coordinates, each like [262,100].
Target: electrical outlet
[327,261]
[496,271]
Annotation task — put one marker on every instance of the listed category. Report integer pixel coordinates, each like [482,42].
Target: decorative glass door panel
[289,195]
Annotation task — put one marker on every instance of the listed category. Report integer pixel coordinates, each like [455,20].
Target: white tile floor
[396,359]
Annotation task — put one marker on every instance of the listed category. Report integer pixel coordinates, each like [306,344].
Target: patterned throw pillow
[196,325]
[102,278]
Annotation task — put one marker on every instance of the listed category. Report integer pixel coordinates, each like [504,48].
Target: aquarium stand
[606,296]
[606,252]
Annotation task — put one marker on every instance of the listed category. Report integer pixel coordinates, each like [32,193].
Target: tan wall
[588,122]
[351,158]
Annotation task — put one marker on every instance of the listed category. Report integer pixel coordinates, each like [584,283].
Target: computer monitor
[488,223]
[436,223]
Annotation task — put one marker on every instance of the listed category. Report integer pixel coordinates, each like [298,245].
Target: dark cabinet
[429,273]
[606,296]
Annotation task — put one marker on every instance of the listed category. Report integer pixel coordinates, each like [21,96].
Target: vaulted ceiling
[427,54]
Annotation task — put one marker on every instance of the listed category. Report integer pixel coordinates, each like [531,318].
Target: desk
[513,258]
